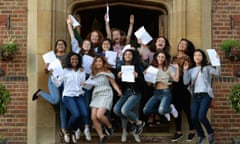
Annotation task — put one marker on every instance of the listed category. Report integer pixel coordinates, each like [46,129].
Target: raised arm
[107,26]
[130,28]
[74,42]
[70,28]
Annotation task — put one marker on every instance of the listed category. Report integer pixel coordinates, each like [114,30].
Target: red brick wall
[13,124]
[224,119]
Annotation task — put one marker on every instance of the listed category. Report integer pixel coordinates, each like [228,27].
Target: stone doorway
[153,18]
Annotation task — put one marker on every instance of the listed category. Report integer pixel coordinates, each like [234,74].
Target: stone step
[146,138]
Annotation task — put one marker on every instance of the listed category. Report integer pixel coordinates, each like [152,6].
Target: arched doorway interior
[152,16]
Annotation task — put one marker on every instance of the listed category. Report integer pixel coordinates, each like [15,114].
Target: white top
[72,81]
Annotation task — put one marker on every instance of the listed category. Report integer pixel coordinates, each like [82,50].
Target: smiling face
[182,46]
[160,44]
[198,57]
[99,63]
[161,58]
[86,46]
[74,61]
[106,45]
[60,47]
[116,36]
[128,57]
[94,37]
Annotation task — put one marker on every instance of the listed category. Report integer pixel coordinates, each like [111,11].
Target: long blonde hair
[105,67]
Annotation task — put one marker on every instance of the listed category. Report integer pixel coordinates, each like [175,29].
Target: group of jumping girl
[129,100]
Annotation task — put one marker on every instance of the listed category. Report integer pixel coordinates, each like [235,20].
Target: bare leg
[102,118]
[96,122]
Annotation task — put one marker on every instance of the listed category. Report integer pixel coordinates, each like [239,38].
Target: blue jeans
[200,105]
[158,103]
[124,108]
[63,114]
[54,93]
[77,109]
[87,96]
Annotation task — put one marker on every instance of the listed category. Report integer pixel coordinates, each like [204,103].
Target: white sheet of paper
[111,57]
[107,13]
[142,34]
[49,57]
[75,23]
[87,63]
[128,46]
[127,73]
[151,74]
[57,68]
[89,83]
[213,56]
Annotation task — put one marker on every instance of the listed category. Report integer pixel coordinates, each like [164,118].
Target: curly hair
[100,38]
[68,60]
[190,47]
[136,57]
[167,44]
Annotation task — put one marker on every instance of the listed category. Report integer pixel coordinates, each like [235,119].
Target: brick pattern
[224,119]
[13,124]
[223,29]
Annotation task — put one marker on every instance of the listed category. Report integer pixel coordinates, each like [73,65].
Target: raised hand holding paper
[75,23]
[142,34]
[213,56]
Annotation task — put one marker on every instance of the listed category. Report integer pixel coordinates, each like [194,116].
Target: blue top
[203,80]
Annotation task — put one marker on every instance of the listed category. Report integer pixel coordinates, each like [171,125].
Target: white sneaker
[78,133]
[87,134]
[136,137]
[174,112]
[124,136]
[66,138]
[74,140]
[167,116]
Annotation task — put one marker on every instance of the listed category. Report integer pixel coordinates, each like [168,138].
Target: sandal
[157,120]
[150,122]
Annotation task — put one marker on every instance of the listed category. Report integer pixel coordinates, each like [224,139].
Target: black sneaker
[109,131]
[176,137]
[139,128]
[102,140]
[131,128]
[190,137]
[200,140]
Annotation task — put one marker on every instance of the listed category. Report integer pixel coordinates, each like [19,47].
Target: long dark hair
[190,48]
[204,58]
[68,60]
[136,58]
[166,62]
[166,48]
[110,42]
